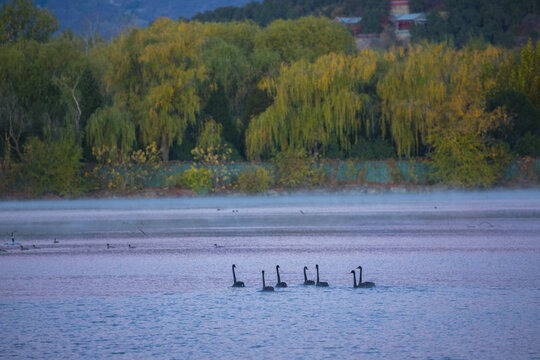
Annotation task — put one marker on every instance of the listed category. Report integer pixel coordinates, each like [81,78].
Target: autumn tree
[20,19]
[156,73]
[305,38]
[313,105]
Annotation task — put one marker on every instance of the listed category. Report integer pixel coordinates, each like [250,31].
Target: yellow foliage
[313,103]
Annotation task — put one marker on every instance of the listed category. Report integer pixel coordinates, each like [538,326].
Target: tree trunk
[79,112]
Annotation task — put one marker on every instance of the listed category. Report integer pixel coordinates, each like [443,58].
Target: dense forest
[77,116]
[498,22]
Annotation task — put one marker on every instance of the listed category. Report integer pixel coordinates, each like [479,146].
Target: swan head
[353,272]
[233,265]
[359,267]
[277,266]
[317,266]
[305,268]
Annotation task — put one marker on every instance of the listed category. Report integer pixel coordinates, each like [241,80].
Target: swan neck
[305,276]
[264,285]
[317,274]
[278,279]
[360,276]
[354,279]
[233,274]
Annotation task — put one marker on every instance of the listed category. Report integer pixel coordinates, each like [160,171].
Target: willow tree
[418,86]
[156,74]
[112,129]
[412,92]
[305,38]
[523,75]
[436,96]
[314,104]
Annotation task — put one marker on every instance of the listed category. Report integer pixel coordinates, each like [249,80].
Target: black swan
[306,281]
[367,284]
[266,288]
[236,283]
[354,278]
[280,284]
[320,283]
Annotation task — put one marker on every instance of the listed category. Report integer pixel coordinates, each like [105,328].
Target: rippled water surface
[457,277]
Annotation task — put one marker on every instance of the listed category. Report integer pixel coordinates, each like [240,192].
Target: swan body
[280,284]
[367,284]
[131,246]
[236,283]
[266,288]
[109,246]
[306,281]
[320,283]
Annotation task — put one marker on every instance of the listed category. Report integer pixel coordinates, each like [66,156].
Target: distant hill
[109,17]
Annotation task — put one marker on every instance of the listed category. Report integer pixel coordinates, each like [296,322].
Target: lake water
[457,277]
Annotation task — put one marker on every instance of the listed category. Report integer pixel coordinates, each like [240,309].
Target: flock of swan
[282,284]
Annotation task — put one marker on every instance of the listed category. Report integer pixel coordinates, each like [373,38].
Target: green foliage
[126,172]
[367,150]
[523,74]
[19,19]
[467,161]
[523,117]
[255,179]
[306,38]
[52,166]
[111,128]
[314,105]
[91,98]
[218,107]
[214,159]
[295,169]
[528,145]
[8,168]
[266,11]
[498,22]
[197,179]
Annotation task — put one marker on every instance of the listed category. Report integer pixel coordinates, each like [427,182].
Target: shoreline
[175,192]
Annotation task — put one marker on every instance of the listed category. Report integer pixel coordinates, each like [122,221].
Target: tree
[19,19]
[417,87]
[523,75]
[218,107]
[157,74]
[13,119]
[306,38]
[110,128]
[314,105]
[91,98]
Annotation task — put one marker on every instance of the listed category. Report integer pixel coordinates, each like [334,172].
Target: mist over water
[456,275]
